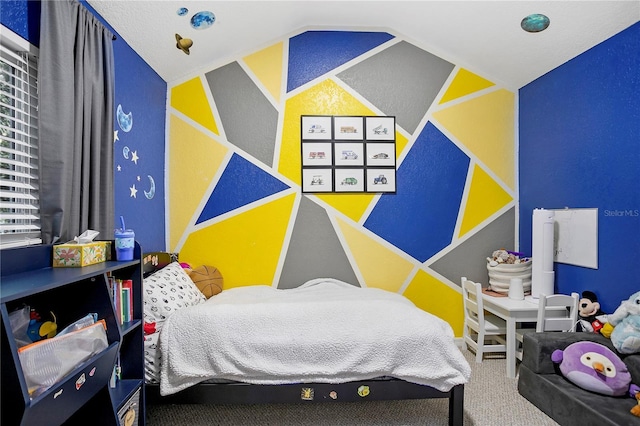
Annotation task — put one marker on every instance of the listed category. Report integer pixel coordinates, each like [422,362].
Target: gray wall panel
[249,120]
[402,80]
[470,258]
[314,250]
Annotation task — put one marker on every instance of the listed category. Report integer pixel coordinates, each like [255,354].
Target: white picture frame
[348,128]
[381,154]
[348,153]
[381,180]
[317,127]
[380,128]
[317,154]
[317,180]
[349,180]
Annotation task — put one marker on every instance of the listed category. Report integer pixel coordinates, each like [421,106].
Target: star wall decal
[115,136]
[133,190]
[119,168]
[134,157]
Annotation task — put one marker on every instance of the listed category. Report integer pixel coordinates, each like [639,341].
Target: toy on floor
[591,317]
[38,329]
[594,367]
[626,325]
[635,410]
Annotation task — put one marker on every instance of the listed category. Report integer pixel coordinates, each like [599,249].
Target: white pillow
[166,291]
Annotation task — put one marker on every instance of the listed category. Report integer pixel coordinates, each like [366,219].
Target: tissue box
[71,255]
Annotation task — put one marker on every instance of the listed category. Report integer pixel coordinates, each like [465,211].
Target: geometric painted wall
[233,171]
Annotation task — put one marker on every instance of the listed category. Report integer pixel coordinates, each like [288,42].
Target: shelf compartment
[60,401]
[123,391]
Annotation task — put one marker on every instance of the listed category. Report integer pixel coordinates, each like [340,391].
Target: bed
[325,340]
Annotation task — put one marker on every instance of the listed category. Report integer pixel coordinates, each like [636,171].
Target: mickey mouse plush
[591,317]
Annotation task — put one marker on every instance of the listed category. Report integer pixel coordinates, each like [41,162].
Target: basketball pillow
[208,279]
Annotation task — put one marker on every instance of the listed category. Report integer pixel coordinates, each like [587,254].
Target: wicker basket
[500,276]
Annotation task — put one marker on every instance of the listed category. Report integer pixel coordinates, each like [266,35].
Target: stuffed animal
[635,410]
[626,325]
[595,368]
[591,317]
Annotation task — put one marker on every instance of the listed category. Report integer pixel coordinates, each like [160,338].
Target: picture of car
[379,130]
[349,181]
[348,129]
[380,156]
[380,179]
[349,155]
[316,155]
[316,128]
[317,180]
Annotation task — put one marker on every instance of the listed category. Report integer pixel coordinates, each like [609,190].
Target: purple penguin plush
[594,367]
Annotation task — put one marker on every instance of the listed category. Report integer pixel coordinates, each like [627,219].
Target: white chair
[555,322]
[483,331]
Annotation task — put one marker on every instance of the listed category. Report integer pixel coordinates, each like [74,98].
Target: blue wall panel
[579,147]
[420,218]
[140,91]
[240,184]
[314,53]
[23,18]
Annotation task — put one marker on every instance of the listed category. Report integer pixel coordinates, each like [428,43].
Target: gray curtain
[76,90]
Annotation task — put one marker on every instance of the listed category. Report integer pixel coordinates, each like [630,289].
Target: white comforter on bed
[325,331]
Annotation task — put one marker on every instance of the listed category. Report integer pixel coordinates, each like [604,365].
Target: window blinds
[19,207]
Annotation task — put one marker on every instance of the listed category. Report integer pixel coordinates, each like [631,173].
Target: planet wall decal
[125,152]
[182,11]
[202,20]
[125,121]
[535,23]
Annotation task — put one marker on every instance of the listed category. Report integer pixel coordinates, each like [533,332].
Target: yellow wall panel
[464,83]
[326,98]
[431,295]
[190,99]
[245,248]
[379,266]
[485,125]
[485,198]
[194,158]
[267,66]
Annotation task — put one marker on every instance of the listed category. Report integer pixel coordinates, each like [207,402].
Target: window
[19,197]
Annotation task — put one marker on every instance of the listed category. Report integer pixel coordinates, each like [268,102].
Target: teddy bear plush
[591,317]
[626,325]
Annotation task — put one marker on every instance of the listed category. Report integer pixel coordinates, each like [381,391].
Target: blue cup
[125,241]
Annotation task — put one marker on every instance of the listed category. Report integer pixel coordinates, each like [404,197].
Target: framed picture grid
[348,154]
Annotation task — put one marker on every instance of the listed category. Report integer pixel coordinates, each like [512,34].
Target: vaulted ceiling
[484,36]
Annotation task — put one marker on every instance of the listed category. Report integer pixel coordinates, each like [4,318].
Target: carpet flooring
[491,399]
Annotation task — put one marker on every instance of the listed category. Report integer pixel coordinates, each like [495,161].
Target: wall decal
[125,121]
[183,44]
[202,20]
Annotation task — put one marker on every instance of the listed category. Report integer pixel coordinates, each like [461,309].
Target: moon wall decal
[125,121]
[152,190]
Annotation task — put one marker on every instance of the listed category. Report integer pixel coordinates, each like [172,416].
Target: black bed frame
[381,389]
[245,393]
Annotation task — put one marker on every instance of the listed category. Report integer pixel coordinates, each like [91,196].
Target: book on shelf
[121,292]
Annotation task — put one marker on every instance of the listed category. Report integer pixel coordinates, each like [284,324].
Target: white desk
[513,312]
